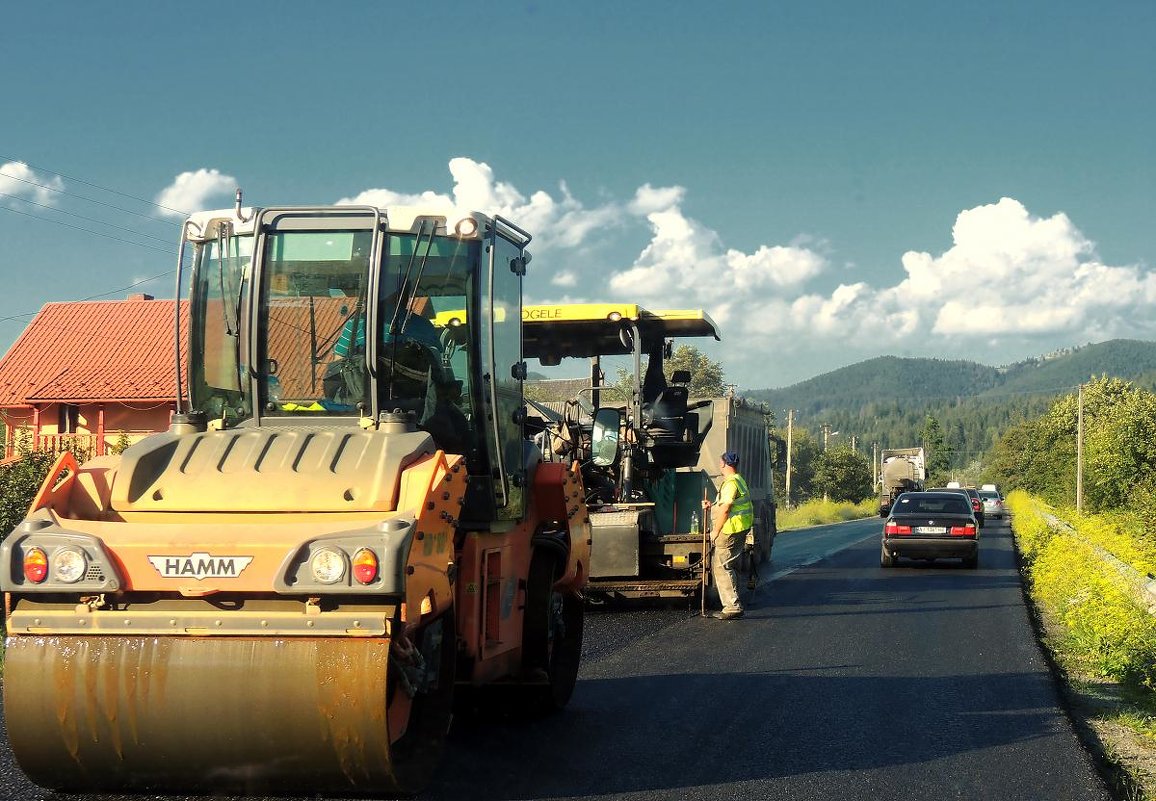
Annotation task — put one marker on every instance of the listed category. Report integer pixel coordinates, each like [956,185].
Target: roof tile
[94,351]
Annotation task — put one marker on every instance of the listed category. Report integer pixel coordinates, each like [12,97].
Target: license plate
[930,530]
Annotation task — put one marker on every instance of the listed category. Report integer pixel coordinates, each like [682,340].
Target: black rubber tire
[417,754]
[551,639]
[971,562]
[886,559]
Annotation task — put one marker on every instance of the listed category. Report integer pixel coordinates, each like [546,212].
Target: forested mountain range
[885,401]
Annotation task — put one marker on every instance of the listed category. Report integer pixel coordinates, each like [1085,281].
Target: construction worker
[733,518]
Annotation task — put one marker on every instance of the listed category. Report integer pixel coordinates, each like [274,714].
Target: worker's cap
[730,458]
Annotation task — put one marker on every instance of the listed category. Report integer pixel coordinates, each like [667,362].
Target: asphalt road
[844,681]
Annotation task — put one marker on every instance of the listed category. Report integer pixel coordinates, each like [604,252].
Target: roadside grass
[819,512]
[1099,632]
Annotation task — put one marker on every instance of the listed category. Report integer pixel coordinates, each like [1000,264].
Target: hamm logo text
[200,566]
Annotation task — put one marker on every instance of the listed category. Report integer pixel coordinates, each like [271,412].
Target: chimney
[140,296]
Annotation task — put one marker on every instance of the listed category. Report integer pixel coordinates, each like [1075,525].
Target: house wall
[131,422]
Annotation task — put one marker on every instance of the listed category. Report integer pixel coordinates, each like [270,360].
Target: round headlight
[68,565]
[466,227]
[328,566]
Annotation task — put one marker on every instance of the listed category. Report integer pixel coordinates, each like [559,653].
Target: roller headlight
[68,565]
[328,566]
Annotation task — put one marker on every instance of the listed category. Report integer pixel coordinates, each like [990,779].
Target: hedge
[1107,628]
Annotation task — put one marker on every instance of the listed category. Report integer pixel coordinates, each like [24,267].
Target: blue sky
[832,181]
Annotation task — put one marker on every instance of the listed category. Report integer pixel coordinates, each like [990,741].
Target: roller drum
[247,715]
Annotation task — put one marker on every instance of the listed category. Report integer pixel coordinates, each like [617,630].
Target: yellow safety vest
[742,511]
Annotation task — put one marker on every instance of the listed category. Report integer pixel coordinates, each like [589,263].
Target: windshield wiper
[408,292]
[231,302]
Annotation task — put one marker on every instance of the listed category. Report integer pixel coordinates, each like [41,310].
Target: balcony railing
[85,446]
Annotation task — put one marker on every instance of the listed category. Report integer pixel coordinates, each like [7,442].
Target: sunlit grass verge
[1097,625]
[1108,630]
[818,512]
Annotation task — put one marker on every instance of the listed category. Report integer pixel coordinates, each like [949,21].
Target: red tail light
[963,531]
[365,566]
[895,528]
[35,565]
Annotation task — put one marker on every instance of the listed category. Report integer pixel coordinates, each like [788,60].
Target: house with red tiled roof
[89,375]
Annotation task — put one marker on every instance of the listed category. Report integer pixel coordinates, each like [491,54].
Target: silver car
[992,504]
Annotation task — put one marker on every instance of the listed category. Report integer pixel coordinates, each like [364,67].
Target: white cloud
[385,198]
[191,191]
[1011,273]
[1008,277]
[19,180]
[565,278]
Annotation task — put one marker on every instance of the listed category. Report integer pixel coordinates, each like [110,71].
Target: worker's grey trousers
[728,550]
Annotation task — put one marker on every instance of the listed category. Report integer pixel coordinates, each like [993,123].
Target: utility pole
[790,423]
[1080,452]
[827,434]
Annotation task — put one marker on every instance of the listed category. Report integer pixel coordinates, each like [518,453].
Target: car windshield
[918,503]
[989,496]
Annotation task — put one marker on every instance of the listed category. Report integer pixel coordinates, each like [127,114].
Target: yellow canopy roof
[597,329]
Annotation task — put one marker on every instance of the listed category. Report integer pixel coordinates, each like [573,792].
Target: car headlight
[68,565]
[328,566]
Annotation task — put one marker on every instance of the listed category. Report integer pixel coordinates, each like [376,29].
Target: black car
[972,495]
[931,525]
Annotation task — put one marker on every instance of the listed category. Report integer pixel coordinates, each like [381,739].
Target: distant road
[844,681]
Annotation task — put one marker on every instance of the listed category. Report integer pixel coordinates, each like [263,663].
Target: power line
[93,297]
[86,230]
[94,186]
[80,217]
[75,196]
[134,284]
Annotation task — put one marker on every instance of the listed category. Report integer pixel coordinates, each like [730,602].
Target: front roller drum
[222,714]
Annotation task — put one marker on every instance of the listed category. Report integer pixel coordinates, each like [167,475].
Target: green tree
[1119,445]
[1119,449]
[841,474]
[20,480]
[804,451]
[937,452]
[706,375]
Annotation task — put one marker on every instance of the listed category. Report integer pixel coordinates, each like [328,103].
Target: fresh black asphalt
[844,681]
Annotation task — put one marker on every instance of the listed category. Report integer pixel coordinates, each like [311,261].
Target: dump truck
[649,452]
[900,470]
[344,525]
[742,427]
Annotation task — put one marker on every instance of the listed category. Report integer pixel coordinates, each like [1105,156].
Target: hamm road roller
[344,522]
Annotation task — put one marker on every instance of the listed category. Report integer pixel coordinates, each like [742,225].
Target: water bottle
[694,522]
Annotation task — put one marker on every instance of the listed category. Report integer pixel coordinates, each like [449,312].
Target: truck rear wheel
[551,638]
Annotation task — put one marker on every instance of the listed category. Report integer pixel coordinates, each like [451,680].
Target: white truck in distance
[900,470]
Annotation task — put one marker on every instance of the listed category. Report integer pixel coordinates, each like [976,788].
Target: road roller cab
[344,522]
